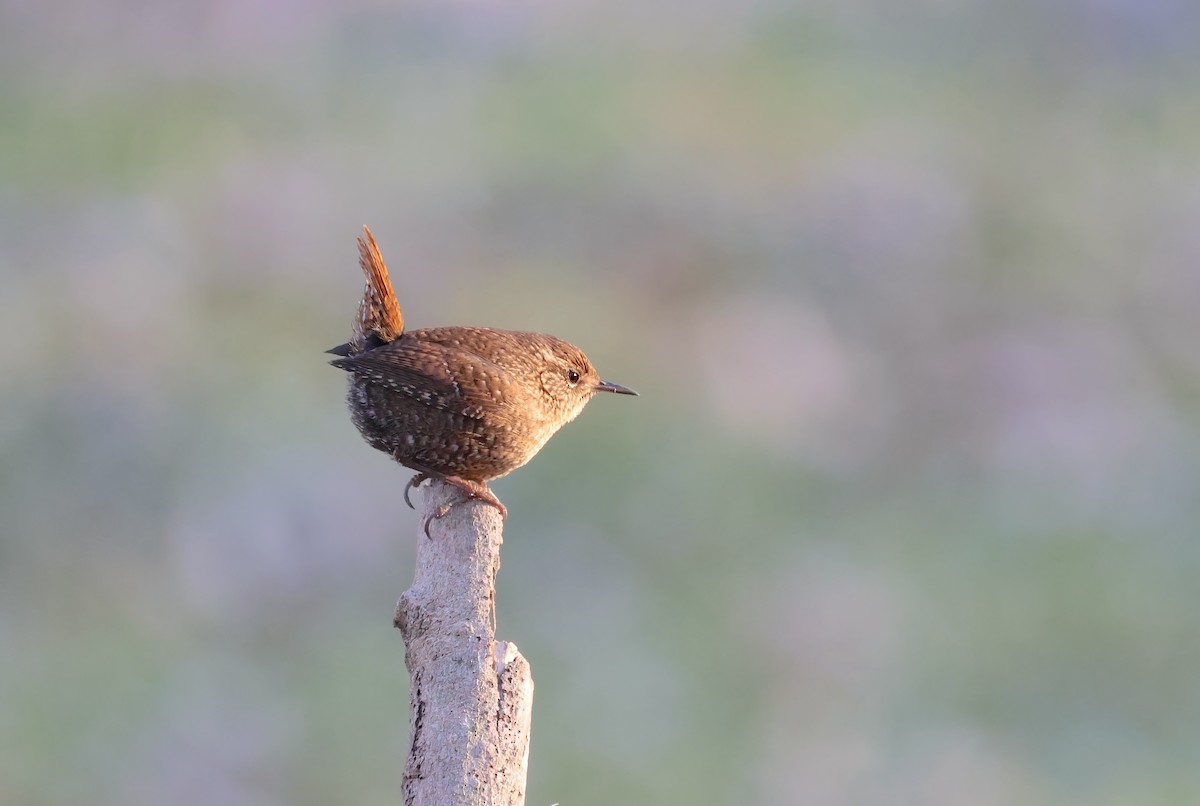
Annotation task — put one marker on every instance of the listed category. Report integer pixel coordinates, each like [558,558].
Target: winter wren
[461,404]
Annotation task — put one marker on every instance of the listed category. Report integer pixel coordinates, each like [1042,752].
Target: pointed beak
[615,388]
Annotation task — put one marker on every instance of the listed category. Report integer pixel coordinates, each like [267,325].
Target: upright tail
[379,318]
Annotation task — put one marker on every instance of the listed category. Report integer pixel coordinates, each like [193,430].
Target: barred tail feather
[379,317]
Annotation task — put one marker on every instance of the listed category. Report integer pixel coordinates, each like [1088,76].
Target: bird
[465,405]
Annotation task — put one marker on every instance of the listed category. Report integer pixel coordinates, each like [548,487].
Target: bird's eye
[572,377]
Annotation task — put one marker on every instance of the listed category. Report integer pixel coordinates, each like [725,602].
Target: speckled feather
[472,402]
[467,402]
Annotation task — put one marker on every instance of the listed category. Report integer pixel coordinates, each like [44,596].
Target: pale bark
[470,696]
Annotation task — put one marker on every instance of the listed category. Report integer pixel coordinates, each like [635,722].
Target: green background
[907,512]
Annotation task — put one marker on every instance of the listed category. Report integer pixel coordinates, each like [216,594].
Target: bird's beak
[615,388]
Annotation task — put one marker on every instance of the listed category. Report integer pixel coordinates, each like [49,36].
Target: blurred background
[907,510]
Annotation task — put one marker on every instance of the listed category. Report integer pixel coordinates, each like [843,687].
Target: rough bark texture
[470,696]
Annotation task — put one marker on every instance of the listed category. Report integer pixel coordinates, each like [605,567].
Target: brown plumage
[463,404]
[379,312]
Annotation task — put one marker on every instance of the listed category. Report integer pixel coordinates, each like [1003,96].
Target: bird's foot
[474,490]
[478,490]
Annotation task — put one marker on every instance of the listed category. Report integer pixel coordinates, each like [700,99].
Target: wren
[462,404]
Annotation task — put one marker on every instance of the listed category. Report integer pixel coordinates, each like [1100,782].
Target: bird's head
[569,380]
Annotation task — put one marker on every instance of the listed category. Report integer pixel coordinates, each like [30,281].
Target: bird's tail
[379,318]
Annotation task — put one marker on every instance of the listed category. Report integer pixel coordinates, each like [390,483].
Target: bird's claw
[413,483]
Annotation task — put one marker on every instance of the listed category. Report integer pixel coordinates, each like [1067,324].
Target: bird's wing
[419,370]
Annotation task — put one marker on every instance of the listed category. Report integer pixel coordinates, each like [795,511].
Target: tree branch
[470,696]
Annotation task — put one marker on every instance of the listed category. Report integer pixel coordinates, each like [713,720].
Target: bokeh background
[907,511]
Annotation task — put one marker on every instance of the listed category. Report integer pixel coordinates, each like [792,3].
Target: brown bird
[461,404]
